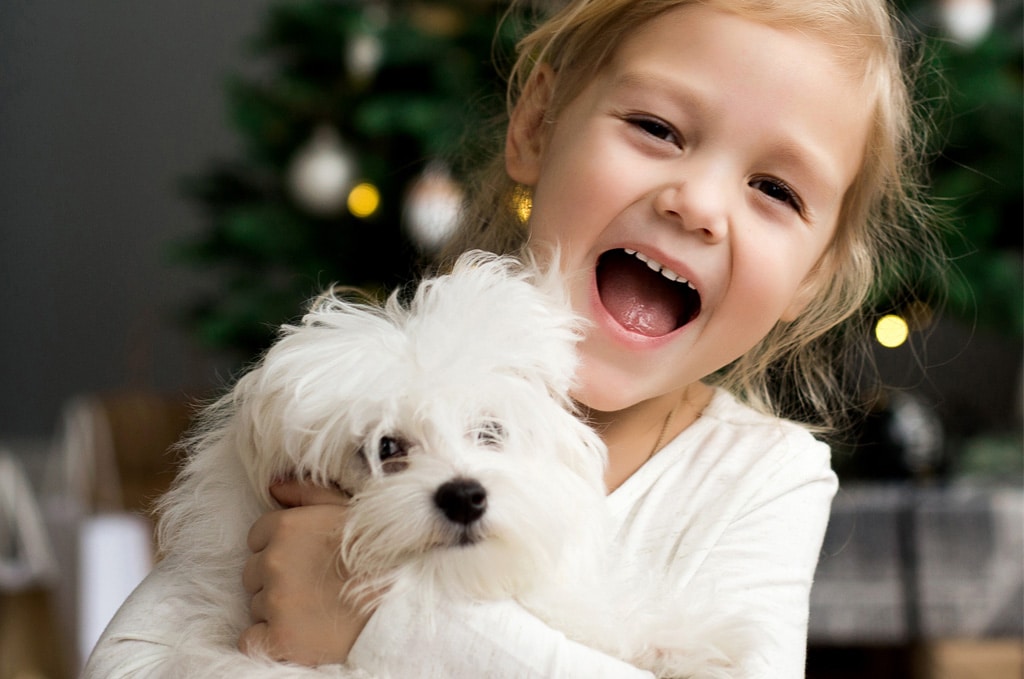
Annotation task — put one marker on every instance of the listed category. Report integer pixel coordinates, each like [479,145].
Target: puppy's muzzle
[462,500]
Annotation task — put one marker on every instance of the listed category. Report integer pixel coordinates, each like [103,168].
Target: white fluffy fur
[472,377]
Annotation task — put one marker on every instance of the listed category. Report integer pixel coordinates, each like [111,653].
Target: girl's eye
[655,128]
[777,189]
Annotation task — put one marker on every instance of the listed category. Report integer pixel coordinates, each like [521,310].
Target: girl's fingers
[253,641]
[252,573]
[293,578]
[262,530]
[258,608]
[294,493]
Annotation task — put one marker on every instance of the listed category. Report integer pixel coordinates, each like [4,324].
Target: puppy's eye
[391,447]
[490,434]
[393,453]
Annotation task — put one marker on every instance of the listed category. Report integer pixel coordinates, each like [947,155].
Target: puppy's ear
[527,129]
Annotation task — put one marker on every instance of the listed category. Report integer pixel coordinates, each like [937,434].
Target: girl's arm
[155,635]
[184,620]
[500,640]
[764,563]
[138,640]
[754,503]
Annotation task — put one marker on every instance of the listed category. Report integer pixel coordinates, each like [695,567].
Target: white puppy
[448,420]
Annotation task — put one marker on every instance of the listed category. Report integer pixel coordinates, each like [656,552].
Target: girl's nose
[699,206]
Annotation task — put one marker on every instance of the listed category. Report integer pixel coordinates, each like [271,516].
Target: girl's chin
[606,391]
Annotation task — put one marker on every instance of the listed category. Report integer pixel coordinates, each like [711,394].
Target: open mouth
[642,295]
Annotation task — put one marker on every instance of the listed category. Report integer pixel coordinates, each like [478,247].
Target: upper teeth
[655,265]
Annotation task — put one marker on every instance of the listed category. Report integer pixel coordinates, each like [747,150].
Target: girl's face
[713,148]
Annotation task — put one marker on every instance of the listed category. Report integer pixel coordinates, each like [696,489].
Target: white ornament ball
[968,22]
[432,208]
[363,56]
[322,173]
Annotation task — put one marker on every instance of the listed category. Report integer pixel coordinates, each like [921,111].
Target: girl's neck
[637,433]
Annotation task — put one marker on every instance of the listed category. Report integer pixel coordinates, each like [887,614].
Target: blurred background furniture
[925,581]
[92,491]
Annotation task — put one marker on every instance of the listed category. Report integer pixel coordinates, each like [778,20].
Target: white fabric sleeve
[138,640]
[152,637]
[763,565]
[500,640]
[732,515]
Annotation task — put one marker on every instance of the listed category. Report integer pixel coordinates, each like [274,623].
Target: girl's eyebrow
[635,81]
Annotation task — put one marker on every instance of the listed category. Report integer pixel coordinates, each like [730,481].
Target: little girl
[723,178]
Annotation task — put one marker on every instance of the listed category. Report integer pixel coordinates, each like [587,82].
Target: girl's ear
[526,137]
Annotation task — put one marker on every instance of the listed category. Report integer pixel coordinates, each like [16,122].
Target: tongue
[641,300]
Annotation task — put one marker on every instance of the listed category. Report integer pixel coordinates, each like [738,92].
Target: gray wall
[104,106]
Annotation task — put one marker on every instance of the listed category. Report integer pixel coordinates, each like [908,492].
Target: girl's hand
[295,579]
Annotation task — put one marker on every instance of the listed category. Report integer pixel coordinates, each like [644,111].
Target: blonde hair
[793,370]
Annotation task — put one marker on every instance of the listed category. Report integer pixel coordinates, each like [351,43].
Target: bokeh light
[363,200]
[892,331]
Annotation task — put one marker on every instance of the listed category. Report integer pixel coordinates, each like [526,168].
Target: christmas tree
[350,131]
[974,50]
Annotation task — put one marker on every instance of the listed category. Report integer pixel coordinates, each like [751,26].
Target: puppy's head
[490,520]
[447,418]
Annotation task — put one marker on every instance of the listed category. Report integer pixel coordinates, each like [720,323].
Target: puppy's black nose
[462,500]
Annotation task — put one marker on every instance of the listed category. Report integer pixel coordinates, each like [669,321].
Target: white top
[735,508]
